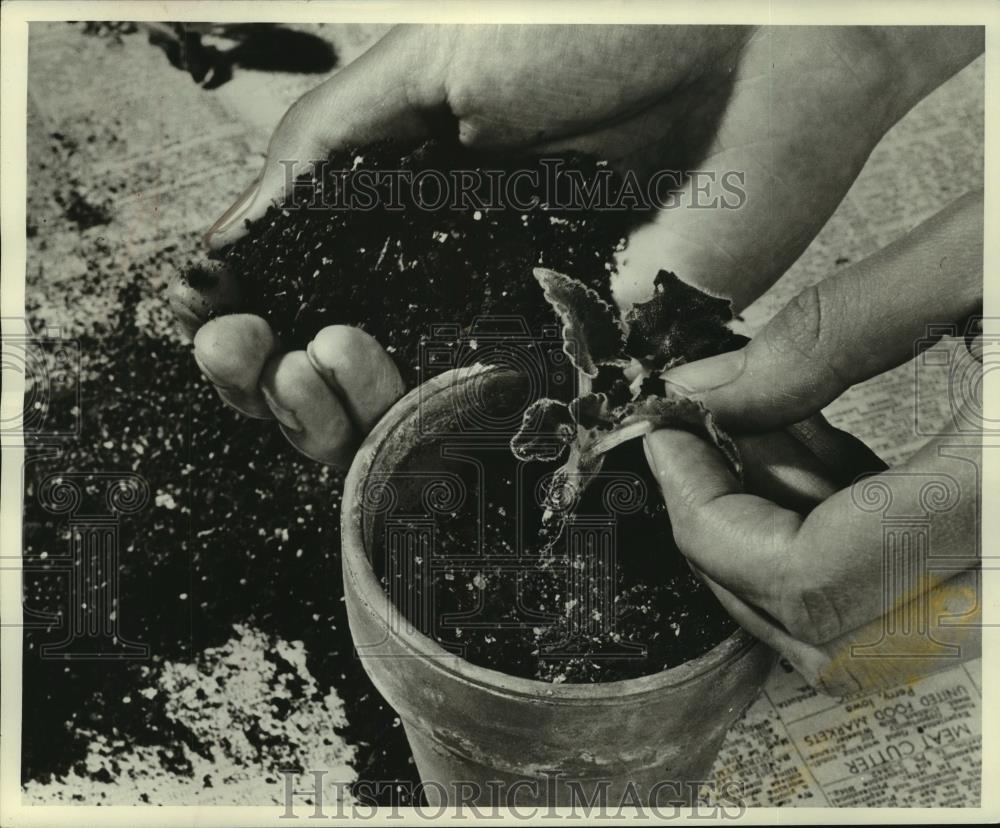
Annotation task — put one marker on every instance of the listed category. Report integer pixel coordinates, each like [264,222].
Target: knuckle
[257,338]
[809,615]
[234,348]
[687,521]
[803,329]
[359,369]
[799,328]
[689,496]
[299,113]
[805,592]
[685,535]
[293,382]
[188,314]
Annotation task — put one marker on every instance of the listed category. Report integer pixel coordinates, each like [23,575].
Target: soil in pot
[491,588]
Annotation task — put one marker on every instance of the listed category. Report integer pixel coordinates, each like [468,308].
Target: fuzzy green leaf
[592,333]
[679,324]
[547,428]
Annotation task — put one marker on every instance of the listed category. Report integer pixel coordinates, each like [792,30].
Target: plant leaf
[547,427]
[592,333]
[669,409]
[679,324]
[592,411]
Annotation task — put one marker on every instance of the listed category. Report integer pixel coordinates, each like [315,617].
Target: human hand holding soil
[811,582]
[798,110]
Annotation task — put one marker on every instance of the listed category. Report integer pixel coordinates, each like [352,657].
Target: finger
[836,569]
[309,413]
[231,352]
[772,188]
[849,327]
[200,293]
[843,456]
[358,370]
[780,468]
[809,660]
[793,468]
[886,540]
[391,91]
[740,540]
[884,652]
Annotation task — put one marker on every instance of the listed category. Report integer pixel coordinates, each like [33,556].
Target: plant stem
[584,386]
[614,438]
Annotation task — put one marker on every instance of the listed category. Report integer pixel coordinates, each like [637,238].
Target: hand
[811,581]
[645,98]
[499,88]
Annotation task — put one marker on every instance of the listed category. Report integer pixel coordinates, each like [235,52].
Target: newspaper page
[184,154]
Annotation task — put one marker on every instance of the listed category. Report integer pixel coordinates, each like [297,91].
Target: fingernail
[328,376]
[706,374]
[236,211]
[187,320]
[211,377]
[283,415]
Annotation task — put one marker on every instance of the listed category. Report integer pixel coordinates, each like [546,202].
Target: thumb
[392,91]
[848,328]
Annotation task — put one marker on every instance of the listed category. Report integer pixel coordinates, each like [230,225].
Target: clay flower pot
[496,739]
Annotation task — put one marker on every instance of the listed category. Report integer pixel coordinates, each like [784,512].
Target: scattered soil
[220,731]
[189,567]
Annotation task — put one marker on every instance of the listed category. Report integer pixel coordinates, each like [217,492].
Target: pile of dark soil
[398,273]
[190,566]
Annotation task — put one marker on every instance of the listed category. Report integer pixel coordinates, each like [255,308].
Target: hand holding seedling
[814,583]
[797,110]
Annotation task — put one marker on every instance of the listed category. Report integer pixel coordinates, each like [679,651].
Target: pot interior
[451,526]
[415,466]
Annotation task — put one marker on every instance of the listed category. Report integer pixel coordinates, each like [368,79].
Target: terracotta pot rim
[358,569]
